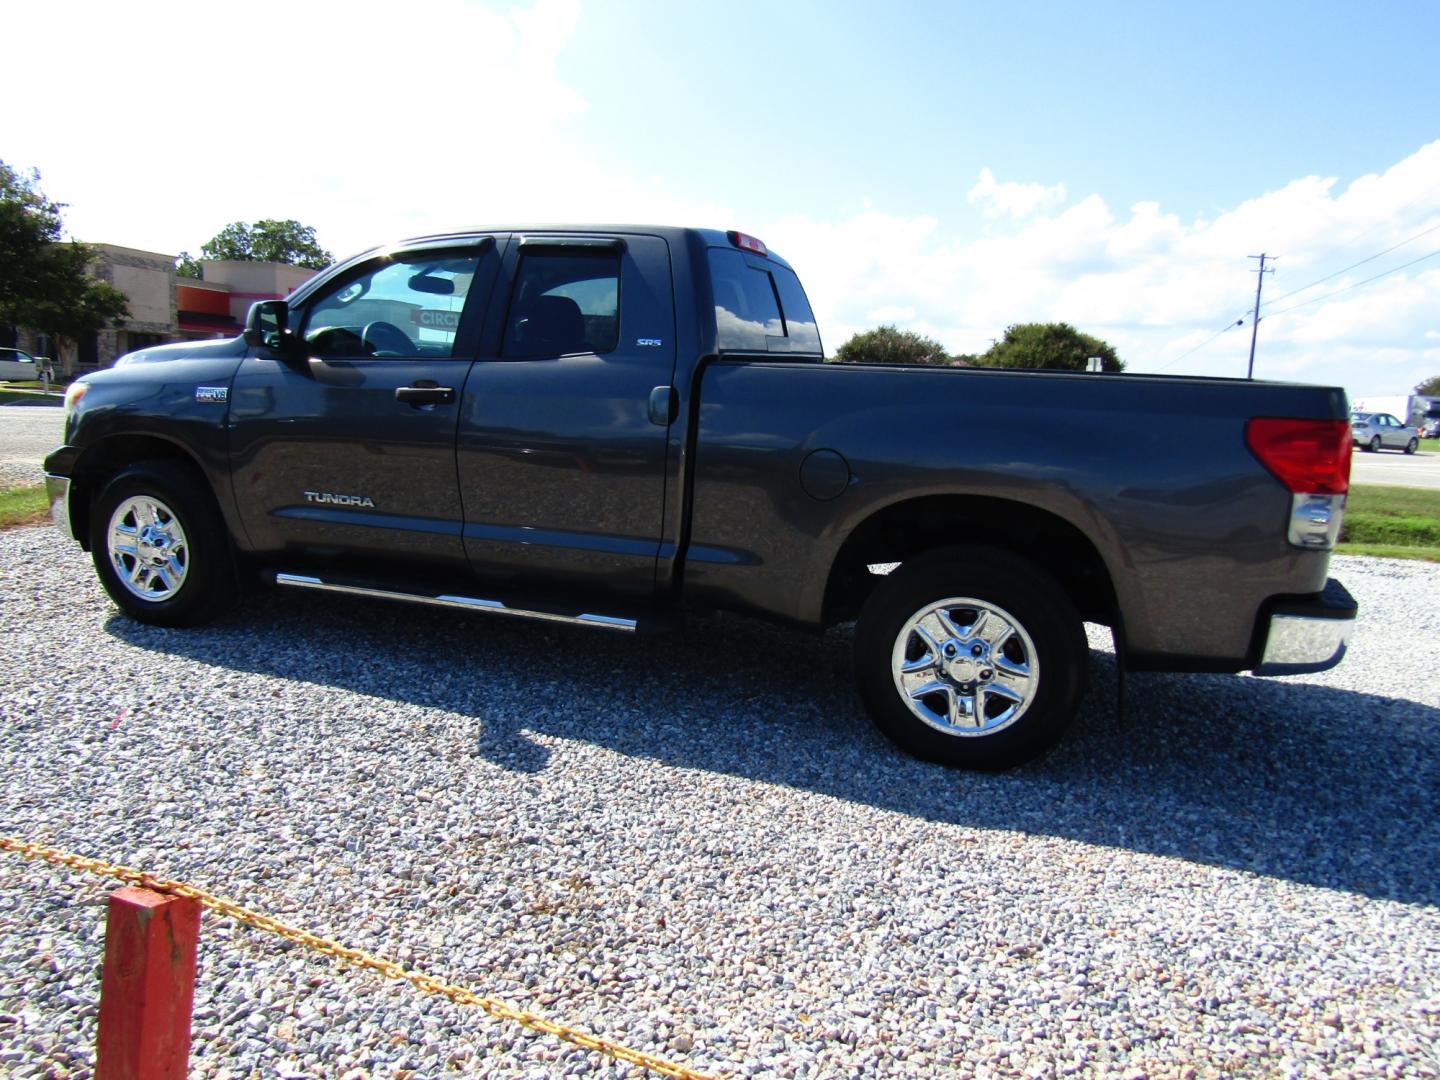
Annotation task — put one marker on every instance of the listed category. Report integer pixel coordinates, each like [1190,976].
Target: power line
[1356,285]
[1314,299]
[1223,330]
[1352,266]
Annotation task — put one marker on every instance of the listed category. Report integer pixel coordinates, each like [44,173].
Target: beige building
[163,306]
[216,305]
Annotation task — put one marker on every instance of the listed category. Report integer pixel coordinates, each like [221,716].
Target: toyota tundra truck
[617,427]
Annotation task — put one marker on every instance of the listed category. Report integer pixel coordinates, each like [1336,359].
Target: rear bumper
[57,491]
[1306,634]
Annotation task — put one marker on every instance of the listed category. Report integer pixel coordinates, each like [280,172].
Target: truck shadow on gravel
[1303,782]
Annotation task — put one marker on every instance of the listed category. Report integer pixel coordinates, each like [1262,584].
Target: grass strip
[1393,522]
[1390,551]
[24,506]
[30,397]
[1396,530]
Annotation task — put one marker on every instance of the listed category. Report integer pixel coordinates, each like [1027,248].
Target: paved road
[1392,467]
[27,434]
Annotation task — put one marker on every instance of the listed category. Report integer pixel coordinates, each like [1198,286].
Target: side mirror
[267,324]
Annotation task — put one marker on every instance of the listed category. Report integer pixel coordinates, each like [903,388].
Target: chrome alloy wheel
[965,667]
[148,549]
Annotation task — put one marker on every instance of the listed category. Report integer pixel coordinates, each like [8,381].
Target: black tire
[1010,589]
[1412,446]
[187,533]
[1375,444]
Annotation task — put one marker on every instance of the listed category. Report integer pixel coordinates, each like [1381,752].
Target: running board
[463,603]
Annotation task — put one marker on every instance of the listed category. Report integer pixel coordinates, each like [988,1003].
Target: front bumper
[57,490]
[1308,633]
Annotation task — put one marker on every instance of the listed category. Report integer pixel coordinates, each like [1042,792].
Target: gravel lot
[697,846]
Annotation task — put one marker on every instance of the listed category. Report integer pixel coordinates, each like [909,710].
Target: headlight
[73,393]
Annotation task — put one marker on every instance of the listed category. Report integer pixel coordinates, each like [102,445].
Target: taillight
[1307,456]
[746,243]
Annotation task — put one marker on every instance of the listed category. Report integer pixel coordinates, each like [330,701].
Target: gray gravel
[697,846]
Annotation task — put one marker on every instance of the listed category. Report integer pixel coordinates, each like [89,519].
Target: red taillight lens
[746,243]
[1310,457]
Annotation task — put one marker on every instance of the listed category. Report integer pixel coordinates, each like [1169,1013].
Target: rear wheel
[970,657]
[1375,444]
[159,546]
[1412,446]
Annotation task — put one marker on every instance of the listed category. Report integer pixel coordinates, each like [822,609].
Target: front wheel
[1412,446]
[159,546]
[970,657]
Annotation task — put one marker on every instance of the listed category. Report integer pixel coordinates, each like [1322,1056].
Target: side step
[464,603]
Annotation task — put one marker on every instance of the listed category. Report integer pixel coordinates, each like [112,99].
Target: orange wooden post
[147,986]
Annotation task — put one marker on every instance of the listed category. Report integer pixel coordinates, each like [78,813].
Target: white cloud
[1011,199]
[365,124]
[1153,285]
[891,315]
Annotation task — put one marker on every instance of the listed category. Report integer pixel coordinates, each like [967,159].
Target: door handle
[425,393]
[664,406]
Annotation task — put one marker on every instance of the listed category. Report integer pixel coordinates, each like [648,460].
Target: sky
[952,168]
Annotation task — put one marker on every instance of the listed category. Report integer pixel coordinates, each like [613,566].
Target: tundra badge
[339,500]
[215,395]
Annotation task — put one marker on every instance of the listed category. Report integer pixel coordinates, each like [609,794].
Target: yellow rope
[328,947]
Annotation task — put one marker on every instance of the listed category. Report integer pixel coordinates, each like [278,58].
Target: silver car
[1376,431]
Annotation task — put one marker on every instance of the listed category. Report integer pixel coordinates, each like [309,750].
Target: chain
[329,947]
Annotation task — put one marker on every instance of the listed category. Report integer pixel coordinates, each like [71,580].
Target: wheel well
[907,529]
[98,464]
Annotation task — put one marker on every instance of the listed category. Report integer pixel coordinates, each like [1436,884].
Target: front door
[347,453]
[561,456]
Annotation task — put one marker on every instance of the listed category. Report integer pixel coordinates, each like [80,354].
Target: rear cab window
[760,306]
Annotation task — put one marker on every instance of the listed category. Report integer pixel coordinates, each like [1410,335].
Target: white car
[1375,431]
[18,364]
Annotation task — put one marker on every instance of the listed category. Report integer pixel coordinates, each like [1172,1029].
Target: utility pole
[1255,322]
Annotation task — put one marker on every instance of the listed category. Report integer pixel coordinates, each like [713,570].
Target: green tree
[1054,346]
[888,345]
[187,266]
[267,241]
[45,282]
[1430,387]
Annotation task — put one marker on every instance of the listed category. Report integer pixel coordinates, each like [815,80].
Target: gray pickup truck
[612,427]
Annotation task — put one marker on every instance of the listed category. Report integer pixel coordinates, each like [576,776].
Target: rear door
[1392,432]
[349,452]
[561,456]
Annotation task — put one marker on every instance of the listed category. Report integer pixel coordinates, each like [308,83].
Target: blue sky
[1198,106]
[951,168]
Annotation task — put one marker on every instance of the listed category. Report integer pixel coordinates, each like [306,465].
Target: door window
[408,306]
[565,301]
